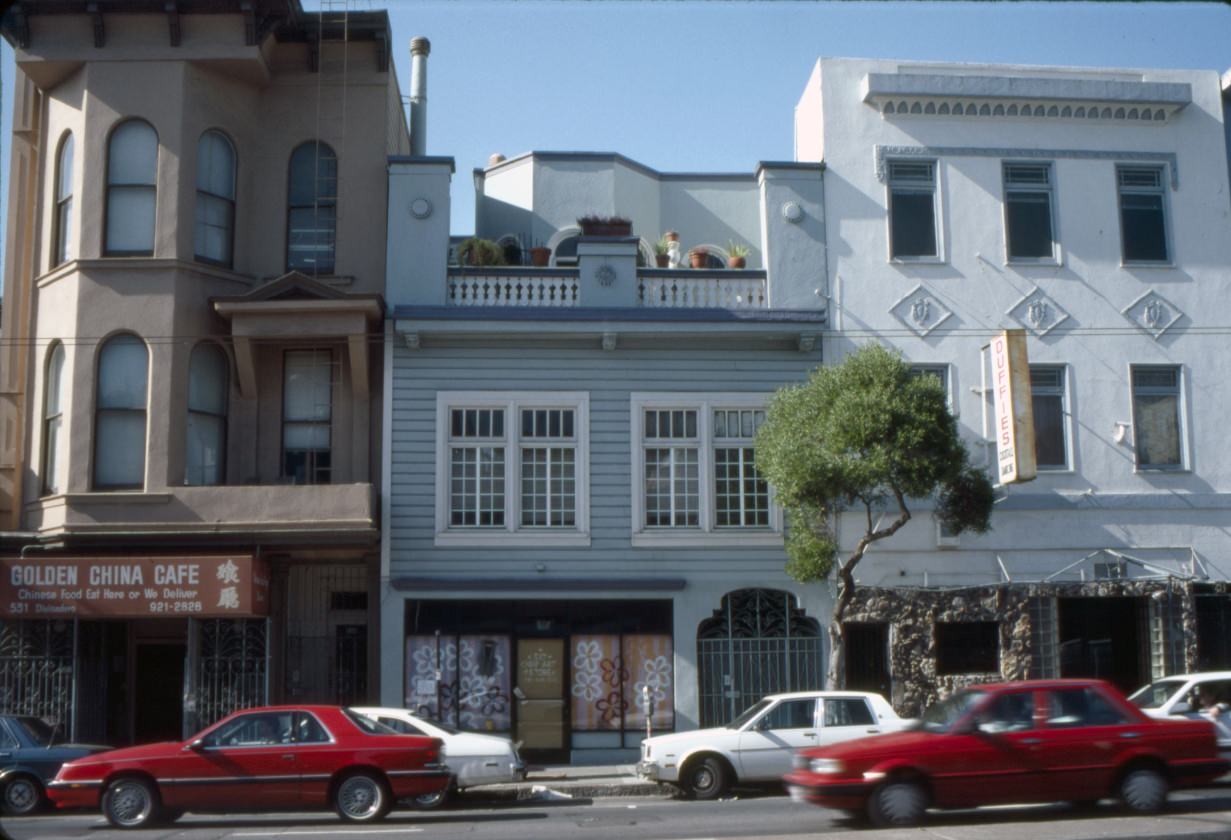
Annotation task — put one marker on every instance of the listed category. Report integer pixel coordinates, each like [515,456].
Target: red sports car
[264,759]
[1045,741]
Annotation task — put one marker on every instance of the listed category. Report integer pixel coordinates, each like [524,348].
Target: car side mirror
[1181,708]
[196,744]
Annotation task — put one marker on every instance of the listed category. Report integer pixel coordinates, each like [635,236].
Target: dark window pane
[1156,420]
[912,224]
[1029,222]
[1141,218]
[1049,430]
[970,647]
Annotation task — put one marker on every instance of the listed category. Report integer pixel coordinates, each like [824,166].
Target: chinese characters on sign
[132,587]
[1014,410]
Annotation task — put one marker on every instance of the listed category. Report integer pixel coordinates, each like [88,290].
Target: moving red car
[1044,741]
[264,759]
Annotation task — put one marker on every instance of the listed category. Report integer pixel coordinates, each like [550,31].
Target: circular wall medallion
[420,208]
[792,212]
[606,275]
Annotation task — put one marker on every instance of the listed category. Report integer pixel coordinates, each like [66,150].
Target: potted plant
[698,258]
[737,254]
[540,256]
[662,252]
[480,252]
[671,236]
[594,225]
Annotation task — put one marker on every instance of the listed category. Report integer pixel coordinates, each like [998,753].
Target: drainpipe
[420,48]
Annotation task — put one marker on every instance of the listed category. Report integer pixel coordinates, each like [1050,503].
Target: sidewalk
[574,782]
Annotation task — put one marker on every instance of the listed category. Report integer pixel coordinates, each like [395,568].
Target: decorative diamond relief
[920,311]
[1038,312]
[1153,313]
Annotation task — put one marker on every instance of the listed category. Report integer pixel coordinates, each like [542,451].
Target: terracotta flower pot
[698,259]
[662,260]
[540,257]
[735,262]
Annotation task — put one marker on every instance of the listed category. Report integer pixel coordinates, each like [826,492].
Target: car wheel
[1143,790]
[428,801]
[897,804]
[707,778]
[23,795]
[362,798]
[130,803]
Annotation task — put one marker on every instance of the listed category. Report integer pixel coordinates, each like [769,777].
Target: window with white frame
[912,209]
[941,374]
[695,469]
[62,221]
[1143,214]
[512,465]
[54,394]
[1050,417]
[1157,426]
[1029,233]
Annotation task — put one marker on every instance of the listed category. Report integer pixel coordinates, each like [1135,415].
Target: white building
[1089,208]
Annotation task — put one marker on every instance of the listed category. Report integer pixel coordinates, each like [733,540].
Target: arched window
[215,227]
[566,251]
[132,170]
[53,421]
[62,230]
[119,420]
[312,209]
[208,388]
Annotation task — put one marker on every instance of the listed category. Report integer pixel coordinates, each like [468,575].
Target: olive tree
[865,435]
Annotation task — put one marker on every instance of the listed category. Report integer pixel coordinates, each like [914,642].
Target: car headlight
[825,765]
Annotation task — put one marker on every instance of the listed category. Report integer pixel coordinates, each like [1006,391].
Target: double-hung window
[307,416]
[62,221]
[132,194]
[1047,387]
[512,466]
[1143,214]
[695,472]
[912,210]
[1157,418]
[1029,231]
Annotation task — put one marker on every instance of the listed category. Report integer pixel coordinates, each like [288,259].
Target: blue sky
[712,85]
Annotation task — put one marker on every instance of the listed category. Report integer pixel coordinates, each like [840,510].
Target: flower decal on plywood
[920,311]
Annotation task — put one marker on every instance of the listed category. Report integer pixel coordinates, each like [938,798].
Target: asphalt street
[1196,814]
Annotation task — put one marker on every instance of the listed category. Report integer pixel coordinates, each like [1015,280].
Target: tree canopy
[865,434]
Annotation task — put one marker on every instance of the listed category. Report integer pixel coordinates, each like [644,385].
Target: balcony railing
[561,287]
[513,287]
[701,289]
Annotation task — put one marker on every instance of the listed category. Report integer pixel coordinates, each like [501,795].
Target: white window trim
[1070,432]
[1164,174]
[1057,253]
[512,533]
[949,385]
[1182,418]
[707,534]
[938,216]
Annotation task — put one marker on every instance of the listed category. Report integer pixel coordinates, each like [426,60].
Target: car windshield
[1156,693]
[39,731]
[941,716]
[749,713]
[367,725]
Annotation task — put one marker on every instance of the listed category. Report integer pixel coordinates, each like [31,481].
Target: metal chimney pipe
[420,48]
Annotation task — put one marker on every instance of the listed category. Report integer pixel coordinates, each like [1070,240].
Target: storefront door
[159,707]
[541,724]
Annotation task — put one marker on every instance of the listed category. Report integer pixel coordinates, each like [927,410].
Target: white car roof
[796,695]
[1200,675]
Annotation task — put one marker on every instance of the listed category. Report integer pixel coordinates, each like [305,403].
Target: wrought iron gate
[36,669]
[757,643]
[231,669]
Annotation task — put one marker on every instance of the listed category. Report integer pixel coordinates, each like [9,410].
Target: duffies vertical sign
[1015,459]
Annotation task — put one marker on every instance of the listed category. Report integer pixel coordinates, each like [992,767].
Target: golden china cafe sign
[232,586]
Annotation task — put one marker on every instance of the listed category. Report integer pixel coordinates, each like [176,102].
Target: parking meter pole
[645,703]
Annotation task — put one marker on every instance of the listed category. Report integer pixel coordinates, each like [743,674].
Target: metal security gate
[230,671]
[757,643]
[326,642]
[36,669]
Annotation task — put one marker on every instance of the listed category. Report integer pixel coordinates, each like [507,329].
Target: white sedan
[759,744]
[472,759]
[1181,696]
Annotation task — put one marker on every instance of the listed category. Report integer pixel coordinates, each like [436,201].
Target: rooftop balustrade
[562,288]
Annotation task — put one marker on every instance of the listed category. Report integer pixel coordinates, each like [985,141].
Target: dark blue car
[29,759]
